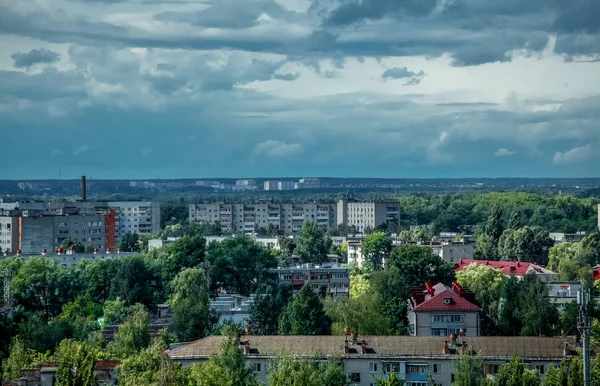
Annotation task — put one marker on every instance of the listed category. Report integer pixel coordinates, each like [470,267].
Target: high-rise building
[272,185]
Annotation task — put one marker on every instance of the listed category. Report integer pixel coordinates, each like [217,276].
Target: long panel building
[420,361]
[248,218]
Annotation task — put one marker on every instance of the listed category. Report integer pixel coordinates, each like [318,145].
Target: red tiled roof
[596,274]
[436,302]
[507,267]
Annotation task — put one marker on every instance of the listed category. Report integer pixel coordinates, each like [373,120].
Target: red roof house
[441,311]
[510,268]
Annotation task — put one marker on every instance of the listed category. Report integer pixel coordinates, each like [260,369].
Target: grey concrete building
[248,218]
[453,252]
[334,278]
[367,215]
[417,360]
[442,311]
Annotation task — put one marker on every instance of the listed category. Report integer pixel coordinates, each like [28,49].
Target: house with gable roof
[440,310]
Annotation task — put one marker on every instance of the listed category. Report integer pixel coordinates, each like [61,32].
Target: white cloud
[56,153]
[576,154]
[277,149]
[80,149]
[146,152]
[503,152]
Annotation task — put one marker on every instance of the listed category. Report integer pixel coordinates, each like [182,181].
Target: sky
[277,88]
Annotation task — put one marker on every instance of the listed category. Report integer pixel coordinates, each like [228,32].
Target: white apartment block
[248,218]
[141,217]
[453,252]
[365,215]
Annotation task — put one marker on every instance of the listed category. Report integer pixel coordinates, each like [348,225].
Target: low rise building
[561,293]
[418,360]
[71,258]
[442,311]
[453,252]
[511,268]
[232,308]
[333,279]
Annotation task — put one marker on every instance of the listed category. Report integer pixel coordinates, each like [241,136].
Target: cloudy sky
[382,88]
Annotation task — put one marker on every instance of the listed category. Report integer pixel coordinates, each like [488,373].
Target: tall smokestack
[83,189]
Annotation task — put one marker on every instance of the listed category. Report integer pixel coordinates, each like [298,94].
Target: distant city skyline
[137,90]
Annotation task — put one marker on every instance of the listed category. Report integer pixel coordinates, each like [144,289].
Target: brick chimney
[566,351]
[346,347]
[363,347]
[83,189]
[446,348]
[246,347]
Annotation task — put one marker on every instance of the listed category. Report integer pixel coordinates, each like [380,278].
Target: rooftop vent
[447,300]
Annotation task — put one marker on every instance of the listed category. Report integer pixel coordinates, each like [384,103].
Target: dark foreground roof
[380,346]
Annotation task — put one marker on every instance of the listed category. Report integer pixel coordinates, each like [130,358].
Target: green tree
[238,265]
[361,312]
[287,245]
[539,316]
[69,243]
[132,283]
[189,301]
[514,221]
[469,370]
[133,335]
[19,357]
[304,315]
[494,227]
[187,252]
[152,367]
[487,284]
[41,285]
[419,264]
[266,309]
[525,244]
[556,376]
[231,359]
[301,371]
[130,243]
[76,363]
[575,373]
[312,246]
[376,247]
[207,374]
[514,373]
[390,380]
[590,249]
[115,311]
[97,279]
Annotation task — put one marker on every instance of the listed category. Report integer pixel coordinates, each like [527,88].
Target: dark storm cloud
[358,10]
[227,14]
[287,77]
[35,56]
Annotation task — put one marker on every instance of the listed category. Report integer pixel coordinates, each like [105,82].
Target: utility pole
[7,305]
[584,324]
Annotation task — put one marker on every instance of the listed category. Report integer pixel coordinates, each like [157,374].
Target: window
[415,369]
[354,377]
[541,369]
[436,368]
[439,332]
[391,367]
[257,367]
[373,367]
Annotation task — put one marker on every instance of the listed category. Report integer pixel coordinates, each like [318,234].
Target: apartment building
[453,252]
[367,215]
[141,217]
[442,311]
[418,360]
[30,232]
[248,218]
[71,258]
[335,279]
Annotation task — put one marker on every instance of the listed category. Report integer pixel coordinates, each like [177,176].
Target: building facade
[420,361]
[511,268]
[367,215]
[334,279]
[442,311]
[453,252]
[141,217]
[248,218]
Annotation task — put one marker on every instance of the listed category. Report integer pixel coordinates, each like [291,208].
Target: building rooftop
[507,267]
[442,298]
[380,346]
